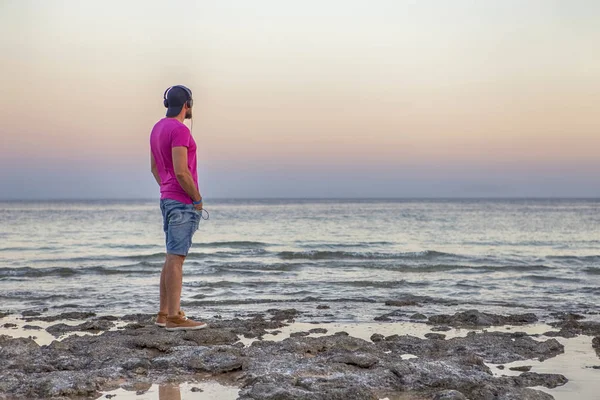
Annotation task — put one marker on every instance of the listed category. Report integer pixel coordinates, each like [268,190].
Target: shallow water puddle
[204,390]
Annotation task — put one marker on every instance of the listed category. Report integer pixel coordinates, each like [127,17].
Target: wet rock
[563,316]
[9,325]
[401,303]
[108,318]
[377,337]
[529,379]
[522,368]
[196,389]
[493,347]
[341,333]
[323,307]
[449,395]
[72,315]
[297,334]
[418,316]
[280,315]
[565,333]
[435,336]
[441,329]
[573,327]
[139,318]
[32,327]
[474,318]
[327,367]
[89,326]
[394,315]
[4,314]
[31,313]
[318,330]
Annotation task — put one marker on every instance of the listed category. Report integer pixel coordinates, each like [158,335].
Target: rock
[10,325]
[567,316]
[328,367]
[396,314]
[318,330]
[376,337]
[72,315]
[32,327]
[418,316]
[596,342]
[523,368]
[297,334]
[196,389]
[323,307]
[441,329]
[500,367]
[30,313]
[449,395]
[341,333]
[474,318]
[279,315]
[529,379]
[89,326]
[108,318]
[493,347]
[573,327]
[401,303]
[435,336]
[4,314]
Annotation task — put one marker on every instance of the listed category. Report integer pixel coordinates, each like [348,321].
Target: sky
[353,98]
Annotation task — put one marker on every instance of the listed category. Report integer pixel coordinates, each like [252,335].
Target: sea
[333,259]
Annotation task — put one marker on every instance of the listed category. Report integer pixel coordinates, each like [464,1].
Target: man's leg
[173,275]
[163,290]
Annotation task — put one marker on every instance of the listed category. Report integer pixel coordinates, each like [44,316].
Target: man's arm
[154,169]
[183,174]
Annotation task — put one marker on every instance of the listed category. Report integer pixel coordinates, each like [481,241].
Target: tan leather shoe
[161,318]
[183,323]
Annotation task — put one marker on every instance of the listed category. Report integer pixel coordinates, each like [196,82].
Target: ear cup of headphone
[166,103]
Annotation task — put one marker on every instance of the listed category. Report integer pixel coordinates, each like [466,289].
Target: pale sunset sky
[327,98]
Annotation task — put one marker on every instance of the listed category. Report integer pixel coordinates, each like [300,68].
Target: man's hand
[198,207]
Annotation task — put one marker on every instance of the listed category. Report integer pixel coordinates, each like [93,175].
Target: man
[173,164]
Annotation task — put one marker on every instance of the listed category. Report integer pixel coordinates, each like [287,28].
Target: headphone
[189,103]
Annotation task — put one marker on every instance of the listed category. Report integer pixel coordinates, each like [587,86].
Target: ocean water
[353,255]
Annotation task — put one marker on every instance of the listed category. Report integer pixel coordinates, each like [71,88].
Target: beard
[188,114]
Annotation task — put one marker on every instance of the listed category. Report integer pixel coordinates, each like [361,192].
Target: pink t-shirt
[166,134]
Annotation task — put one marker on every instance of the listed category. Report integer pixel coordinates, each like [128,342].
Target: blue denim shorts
[180,221]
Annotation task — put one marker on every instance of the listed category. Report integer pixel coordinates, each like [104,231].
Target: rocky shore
[130,350]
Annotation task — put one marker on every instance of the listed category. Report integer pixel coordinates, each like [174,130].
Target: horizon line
[58,199]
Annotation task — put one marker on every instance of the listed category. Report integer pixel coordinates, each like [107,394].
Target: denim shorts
[180,221]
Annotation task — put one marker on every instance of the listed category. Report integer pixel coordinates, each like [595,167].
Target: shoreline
[242,350]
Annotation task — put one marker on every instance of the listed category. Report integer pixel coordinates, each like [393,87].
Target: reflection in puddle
[186,391]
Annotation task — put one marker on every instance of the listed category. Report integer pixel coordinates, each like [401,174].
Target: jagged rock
[522,368]
[89,326]
[474,318]
[71,315]
[435,336]
[376,337]
[449,395]
[336,366]
[441,329]
[401,303]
